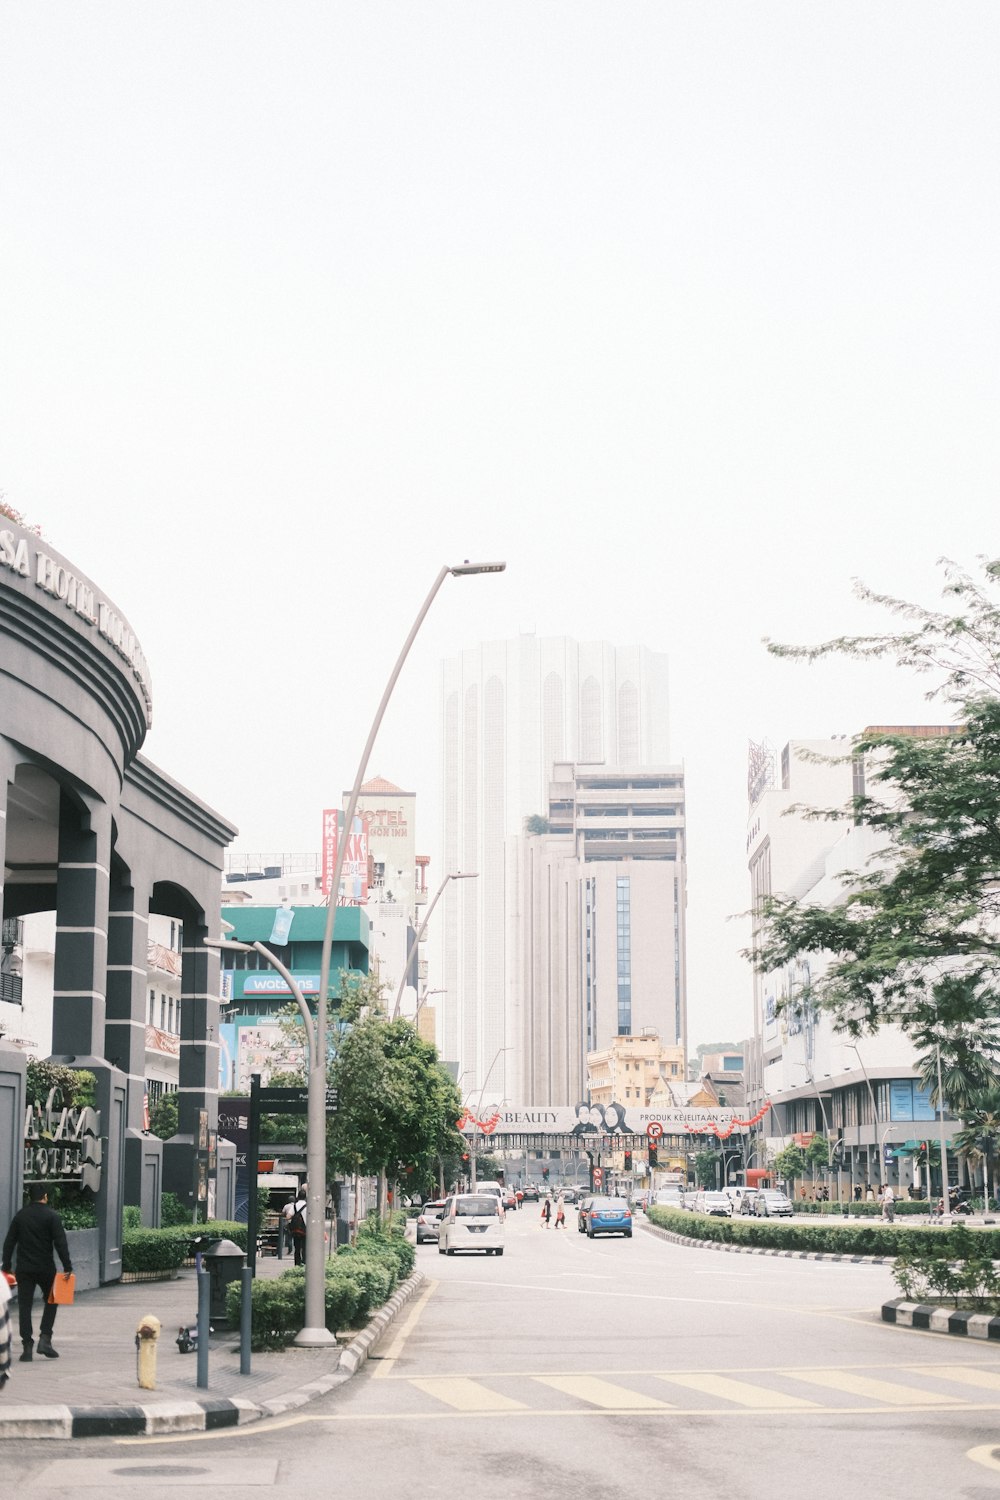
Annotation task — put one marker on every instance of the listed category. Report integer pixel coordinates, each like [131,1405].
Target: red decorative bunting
[723,1135]
[487,1126]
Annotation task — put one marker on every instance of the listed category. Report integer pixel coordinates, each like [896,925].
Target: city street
[605,1367]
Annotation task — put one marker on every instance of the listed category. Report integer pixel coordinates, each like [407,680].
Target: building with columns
[95,834]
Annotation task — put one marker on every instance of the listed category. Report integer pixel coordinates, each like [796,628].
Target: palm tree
[979,1139]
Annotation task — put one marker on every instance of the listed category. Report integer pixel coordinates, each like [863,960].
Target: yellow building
[633,1071]
[632,1068]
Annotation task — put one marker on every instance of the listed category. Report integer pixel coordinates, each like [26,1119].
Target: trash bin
[223,1261]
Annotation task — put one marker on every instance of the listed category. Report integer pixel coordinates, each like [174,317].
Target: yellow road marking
[985,1380]
[601,1393]
[886,1391]
[740,1391]
[385,1362]
[467,1395]
[985,1455]
[963,1408]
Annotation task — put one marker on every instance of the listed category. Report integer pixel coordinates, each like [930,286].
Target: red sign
[654,1130]
[354,871]
[598,1177]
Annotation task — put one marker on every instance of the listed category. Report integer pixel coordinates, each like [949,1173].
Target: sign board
[584,1120]
[654,1130]
[598,1177]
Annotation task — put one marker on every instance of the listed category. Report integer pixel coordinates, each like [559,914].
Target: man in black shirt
[36,1231]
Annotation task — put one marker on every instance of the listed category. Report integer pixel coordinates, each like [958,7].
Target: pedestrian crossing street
[806,1390]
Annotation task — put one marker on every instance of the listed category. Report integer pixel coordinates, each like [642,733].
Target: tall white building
[509,711]
[867,1095]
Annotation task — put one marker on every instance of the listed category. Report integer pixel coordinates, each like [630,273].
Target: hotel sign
[22,554]
[62,1144]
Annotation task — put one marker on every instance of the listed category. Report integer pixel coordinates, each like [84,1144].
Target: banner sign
[354,871]
[605,1119]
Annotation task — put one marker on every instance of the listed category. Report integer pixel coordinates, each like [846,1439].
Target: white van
[492,1187]
[471,1221]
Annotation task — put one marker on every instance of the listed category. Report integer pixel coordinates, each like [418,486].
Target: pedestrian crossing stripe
[603,1393]
[887,1391]
[466,1393]
[739,1391]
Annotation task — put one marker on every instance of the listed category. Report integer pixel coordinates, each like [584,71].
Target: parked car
[769,1203]
[581,1213]
[717,1204]
[606,1216]
[471,1221]
[688,1198]
[669,1197]
[428,1221]
[530,1193]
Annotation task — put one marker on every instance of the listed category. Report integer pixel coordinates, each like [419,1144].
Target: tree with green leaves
[790,1164]
[163,1120]
[706,1166]
[979,1139]
[915,938]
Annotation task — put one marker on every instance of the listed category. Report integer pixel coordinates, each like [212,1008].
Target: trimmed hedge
[831,1239]
[904,1207]
[152,1250]
[358,1280]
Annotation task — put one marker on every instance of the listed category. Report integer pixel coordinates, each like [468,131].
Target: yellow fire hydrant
[146,1336]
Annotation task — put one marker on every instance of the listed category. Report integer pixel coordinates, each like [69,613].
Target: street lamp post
[871,1093]
[315,1332]
[414,942]
[230,945]
[479,1109]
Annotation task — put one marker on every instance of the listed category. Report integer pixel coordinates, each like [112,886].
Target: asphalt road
[603,1368]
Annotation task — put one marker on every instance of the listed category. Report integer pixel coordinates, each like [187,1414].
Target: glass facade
[624,938]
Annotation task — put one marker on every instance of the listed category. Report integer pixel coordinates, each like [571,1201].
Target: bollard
[146,1336]
[246,1292]
[204,1326]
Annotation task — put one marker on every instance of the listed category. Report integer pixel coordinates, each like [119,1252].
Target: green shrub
[278,1306]
[904,1207]
[152,1250]
[131,1216]
[172,1211]
[955,1266]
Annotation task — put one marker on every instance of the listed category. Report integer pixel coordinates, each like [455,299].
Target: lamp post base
[314,1338]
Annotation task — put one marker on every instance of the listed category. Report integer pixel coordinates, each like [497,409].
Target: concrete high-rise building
[596,907]
[510,710]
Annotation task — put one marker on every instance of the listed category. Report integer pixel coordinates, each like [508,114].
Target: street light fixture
[315,1332]
[414,942]
[479,1109]
[871,1092]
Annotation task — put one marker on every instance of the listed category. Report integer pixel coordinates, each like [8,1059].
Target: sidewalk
[92,1389]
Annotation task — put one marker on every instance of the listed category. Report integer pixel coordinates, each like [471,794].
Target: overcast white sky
[689,311]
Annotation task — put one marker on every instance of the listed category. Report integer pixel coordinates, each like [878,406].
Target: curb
[684,1239]
[199,1415]
[946,1320]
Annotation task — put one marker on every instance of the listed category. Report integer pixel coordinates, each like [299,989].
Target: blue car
[606,1216]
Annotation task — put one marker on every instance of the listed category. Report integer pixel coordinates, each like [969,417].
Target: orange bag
[63,1289]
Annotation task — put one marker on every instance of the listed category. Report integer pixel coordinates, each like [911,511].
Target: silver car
[769,1203]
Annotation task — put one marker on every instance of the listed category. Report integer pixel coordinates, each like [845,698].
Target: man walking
[295,1218]
[36,1232]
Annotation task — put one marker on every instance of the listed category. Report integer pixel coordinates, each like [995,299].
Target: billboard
[354,874]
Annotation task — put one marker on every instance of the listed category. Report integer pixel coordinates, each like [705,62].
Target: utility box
[223,1261]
